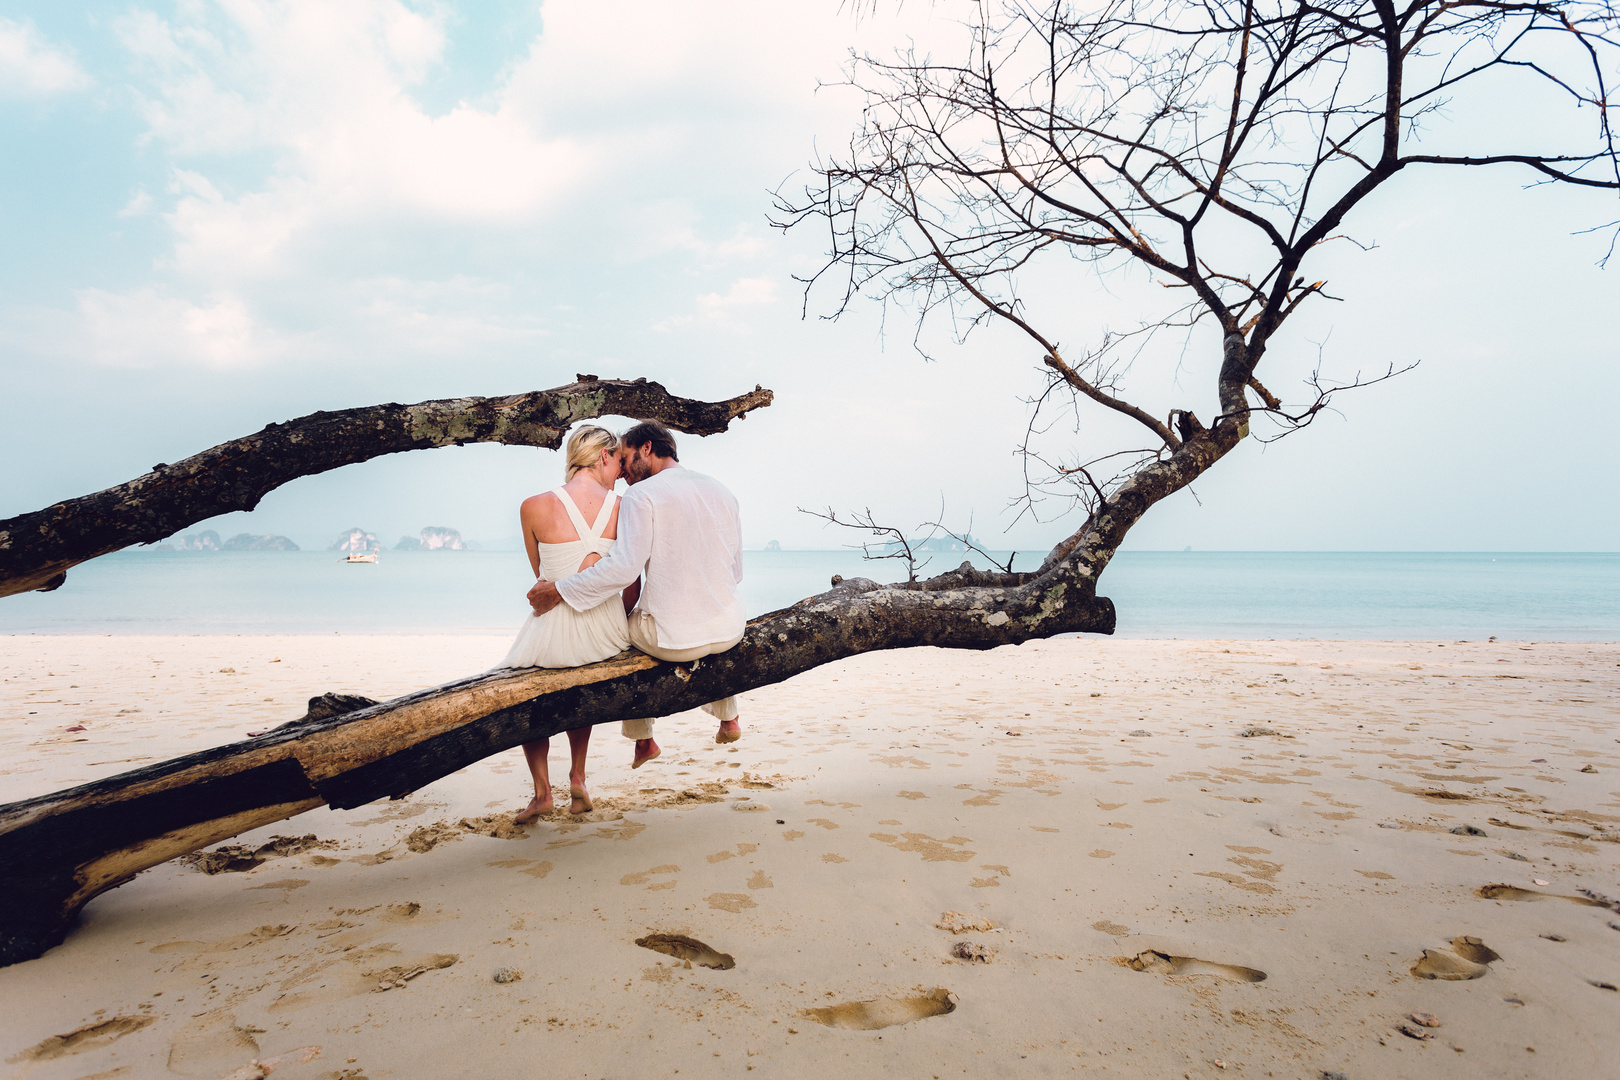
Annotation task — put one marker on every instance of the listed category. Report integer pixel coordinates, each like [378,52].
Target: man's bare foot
[537,809]
[646,750]
[581,801]
[730,731]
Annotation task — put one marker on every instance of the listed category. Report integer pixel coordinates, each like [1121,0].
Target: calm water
[1159,594]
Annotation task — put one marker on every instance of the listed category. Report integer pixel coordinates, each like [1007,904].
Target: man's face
[633,463]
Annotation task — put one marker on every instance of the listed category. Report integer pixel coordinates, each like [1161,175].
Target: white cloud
[32,67]
[139,204]
[147,328]
[308,181]
[442,319]
[725,309]
[323,90]
[389,319]
[241,237]
[741,246]
[747,292]
[609,110]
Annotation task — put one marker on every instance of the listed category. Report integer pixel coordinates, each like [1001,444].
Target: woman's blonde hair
[585,448]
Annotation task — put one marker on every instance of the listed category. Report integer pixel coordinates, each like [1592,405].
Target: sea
[1228,594]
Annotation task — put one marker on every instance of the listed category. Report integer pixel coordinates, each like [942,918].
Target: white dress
[563,637]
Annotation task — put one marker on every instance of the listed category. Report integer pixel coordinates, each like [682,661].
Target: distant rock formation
[438,538]
[946,543]
[773,545]
[435,538]
[356,541]
[933,543]
[207,540]
[249,542]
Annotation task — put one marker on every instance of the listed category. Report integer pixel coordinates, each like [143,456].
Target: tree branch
[37,549]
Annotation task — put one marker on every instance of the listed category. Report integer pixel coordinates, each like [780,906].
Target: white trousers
[644,636]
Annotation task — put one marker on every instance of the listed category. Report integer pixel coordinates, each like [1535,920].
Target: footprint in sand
[640,877]
[1511,892]
[399,976]
[230,944]
[237,859]
[958,923]
[885,1011]
[326,981]
[733,902]
[932,850]
[212,1043]
[691,950]
[742,849]
[1160,963]
[524,866]
[77,1041]
[1468,958]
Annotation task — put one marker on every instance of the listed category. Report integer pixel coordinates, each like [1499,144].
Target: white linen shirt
[682,528]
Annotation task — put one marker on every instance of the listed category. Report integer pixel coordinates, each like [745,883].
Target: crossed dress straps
[591,535]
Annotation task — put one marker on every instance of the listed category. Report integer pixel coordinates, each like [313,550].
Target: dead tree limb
[37,549]
[59,851]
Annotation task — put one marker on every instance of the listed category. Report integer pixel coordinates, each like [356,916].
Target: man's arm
[623,565]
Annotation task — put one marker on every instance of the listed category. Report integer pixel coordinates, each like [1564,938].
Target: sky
[223,214]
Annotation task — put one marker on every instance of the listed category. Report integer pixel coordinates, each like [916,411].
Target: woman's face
[610,467]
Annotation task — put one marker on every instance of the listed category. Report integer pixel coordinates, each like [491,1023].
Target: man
[682,529]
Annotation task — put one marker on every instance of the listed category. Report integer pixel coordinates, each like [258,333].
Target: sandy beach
[1083,856]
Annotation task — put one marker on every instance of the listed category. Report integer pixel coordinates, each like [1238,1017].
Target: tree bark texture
[37,549]
[59,851]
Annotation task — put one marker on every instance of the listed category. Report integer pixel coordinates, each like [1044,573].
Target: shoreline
[1185,596]
[1093,800]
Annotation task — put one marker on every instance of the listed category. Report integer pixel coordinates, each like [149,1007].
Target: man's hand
[543,597]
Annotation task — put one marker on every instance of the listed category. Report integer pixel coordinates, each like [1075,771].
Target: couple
[657,569]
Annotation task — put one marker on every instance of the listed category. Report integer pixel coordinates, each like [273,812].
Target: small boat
[370,556]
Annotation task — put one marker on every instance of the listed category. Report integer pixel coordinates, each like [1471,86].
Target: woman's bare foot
[581,801]
[646,750]
[537,809]
[730,731]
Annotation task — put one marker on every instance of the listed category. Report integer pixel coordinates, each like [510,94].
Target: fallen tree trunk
[37,549]
[59,851]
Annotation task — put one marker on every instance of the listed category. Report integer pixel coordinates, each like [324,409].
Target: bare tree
[1217,146]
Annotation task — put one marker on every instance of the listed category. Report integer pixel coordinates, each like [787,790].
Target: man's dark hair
[651,433]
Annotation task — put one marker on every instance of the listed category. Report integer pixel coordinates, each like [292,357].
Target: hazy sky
[221,214]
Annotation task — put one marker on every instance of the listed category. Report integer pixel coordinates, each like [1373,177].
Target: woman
[565,531]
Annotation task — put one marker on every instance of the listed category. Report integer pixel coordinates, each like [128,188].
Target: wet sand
[1159,858]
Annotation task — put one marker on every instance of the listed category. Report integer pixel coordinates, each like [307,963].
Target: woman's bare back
[546,521]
